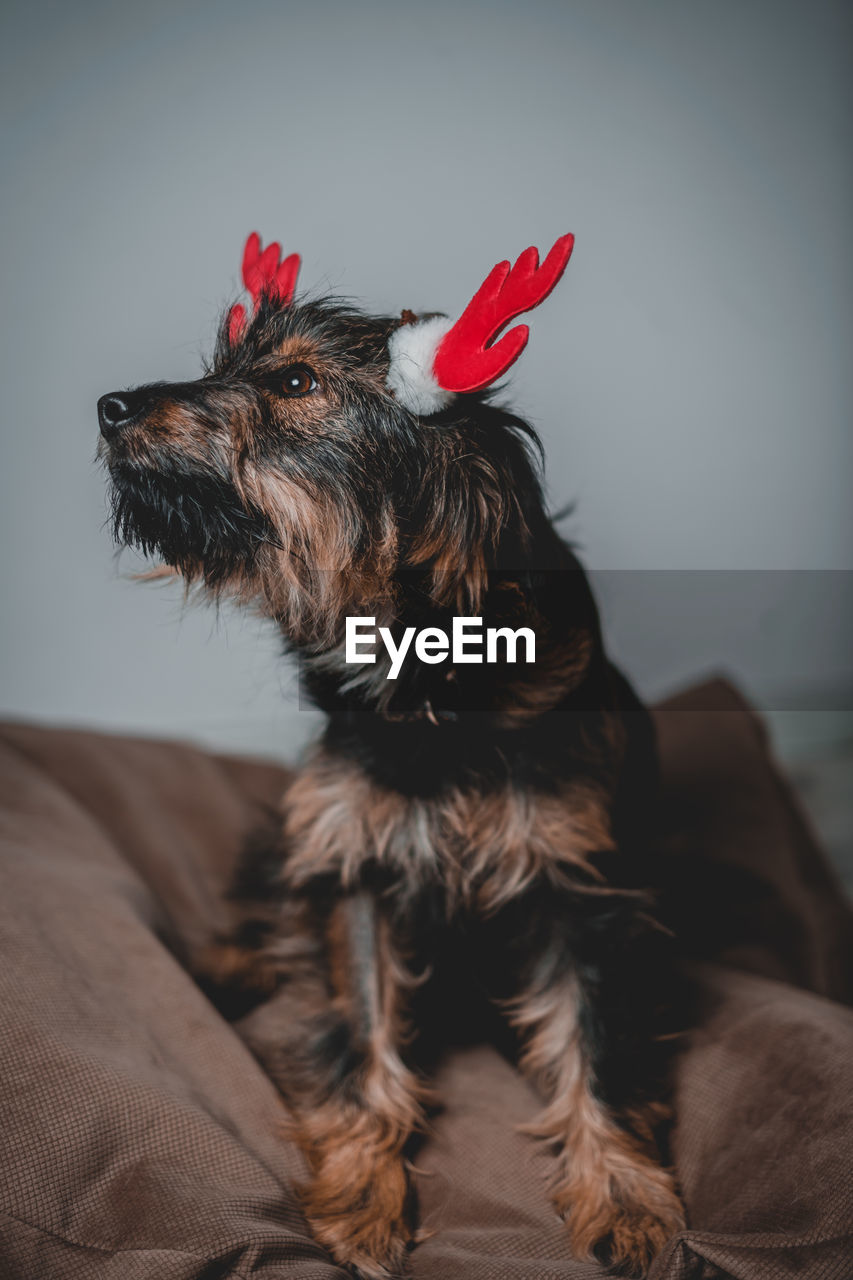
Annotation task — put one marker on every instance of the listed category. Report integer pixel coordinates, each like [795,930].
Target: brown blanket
[140,1139]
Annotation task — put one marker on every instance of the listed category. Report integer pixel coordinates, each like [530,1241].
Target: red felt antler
[464,360]
[263,272]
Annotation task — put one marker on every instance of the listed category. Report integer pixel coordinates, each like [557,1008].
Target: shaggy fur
[463,833]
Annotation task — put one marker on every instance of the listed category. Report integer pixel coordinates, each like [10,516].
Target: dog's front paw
[624,1225]
[371,1247]
[364,1228]
[634,1239]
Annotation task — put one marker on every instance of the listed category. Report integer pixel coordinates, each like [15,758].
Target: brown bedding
[141,1139]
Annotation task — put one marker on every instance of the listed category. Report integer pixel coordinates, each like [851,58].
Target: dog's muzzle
[118,409]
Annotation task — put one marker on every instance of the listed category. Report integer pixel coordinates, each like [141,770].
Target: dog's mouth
[198,524]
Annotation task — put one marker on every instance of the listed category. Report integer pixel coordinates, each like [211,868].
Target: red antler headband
[263,272]
[432,360]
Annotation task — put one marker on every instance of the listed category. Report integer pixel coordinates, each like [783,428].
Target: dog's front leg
[354,1125]
[585,1013]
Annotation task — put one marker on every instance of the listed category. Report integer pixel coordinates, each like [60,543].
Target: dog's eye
[297,380]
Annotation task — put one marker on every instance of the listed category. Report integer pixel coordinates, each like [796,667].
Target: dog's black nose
[117,409]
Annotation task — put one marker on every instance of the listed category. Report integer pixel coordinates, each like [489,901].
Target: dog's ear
[479,507]
[458,525]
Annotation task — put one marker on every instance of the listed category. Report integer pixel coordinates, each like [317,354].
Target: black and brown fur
[468,829]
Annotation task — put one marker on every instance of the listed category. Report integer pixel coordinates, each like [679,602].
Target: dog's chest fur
[482,845]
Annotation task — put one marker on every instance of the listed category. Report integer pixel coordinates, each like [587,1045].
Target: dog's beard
[198,524]
[297,571]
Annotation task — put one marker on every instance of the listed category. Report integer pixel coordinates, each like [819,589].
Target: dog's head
[326,452]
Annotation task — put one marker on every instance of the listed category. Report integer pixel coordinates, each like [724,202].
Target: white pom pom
[412,349]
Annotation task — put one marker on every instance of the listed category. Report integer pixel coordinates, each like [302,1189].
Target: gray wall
[691,376]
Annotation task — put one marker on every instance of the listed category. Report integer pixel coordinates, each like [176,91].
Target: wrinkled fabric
[142,1140]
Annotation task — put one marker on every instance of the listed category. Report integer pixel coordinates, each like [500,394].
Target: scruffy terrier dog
[465,829]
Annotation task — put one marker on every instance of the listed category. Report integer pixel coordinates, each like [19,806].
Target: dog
[463,832]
